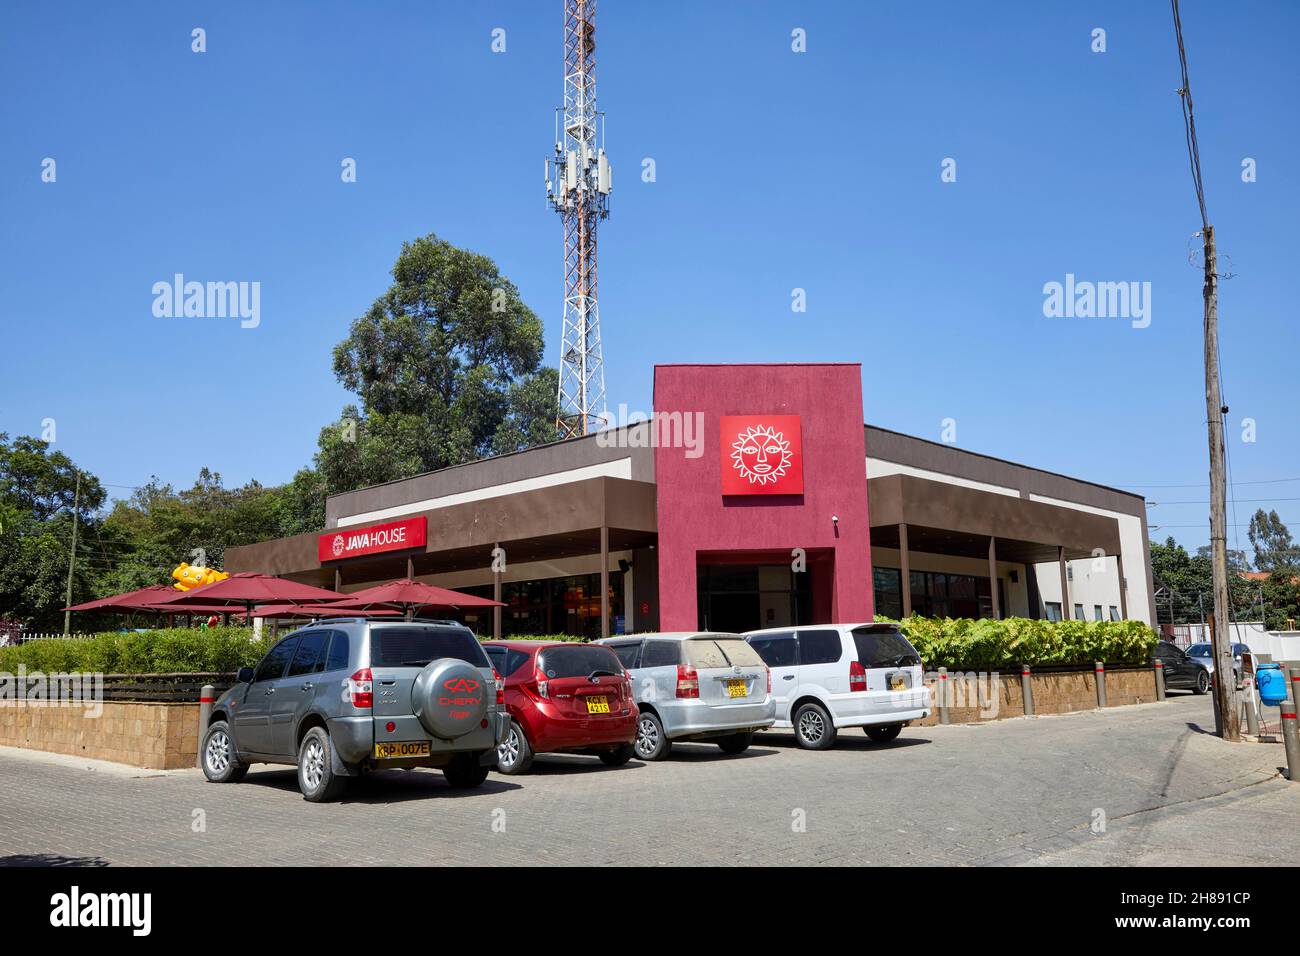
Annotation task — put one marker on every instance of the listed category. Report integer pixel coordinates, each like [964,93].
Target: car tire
[651,741]
[515,746]
[465,772]
[1202,685]
[220,761]
[735,743]
[317,778]
[813,727]
[884,734]
[617,757]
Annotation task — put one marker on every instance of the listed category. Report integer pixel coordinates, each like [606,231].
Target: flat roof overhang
[944,518]
[546,523]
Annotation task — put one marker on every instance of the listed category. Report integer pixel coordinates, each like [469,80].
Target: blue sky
[775,170]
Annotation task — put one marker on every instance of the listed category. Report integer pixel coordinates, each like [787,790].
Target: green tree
[1274,549]
[446,365]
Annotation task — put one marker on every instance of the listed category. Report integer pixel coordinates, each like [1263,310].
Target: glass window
[417,646]
[627,653]
[577,660]
[820,647]
[660,654]
[1096,612]
[277,659]
[1114,613]
[1078,613]
[1053,610]
[337,659]
[309,651]
[884,647]
[777,650]
[738,652]
[887,586]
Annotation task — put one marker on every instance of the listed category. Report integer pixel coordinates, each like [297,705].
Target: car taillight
[501,687]
[540,679]
[359,688]
[688,681]
[769,679]
[857,676]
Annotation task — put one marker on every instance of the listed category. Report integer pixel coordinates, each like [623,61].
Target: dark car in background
[563,698]
[1181,671]
[1203,654]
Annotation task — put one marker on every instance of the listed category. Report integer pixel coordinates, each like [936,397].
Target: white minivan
[828,676]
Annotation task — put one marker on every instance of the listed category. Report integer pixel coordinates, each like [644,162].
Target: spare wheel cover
[450,698]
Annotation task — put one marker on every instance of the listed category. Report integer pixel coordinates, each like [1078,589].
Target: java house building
[754,497]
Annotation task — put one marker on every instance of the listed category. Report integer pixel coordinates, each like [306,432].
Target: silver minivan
[695,686]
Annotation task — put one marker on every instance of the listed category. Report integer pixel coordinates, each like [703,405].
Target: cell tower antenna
[578,183]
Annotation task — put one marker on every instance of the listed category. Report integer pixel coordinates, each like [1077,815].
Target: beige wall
[154,736]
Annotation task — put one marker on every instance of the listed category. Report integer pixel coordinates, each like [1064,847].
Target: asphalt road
[1130,785]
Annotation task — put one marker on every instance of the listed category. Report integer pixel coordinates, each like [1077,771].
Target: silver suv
[348,695]
[695,686]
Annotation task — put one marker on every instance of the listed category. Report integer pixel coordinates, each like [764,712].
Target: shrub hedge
[164,651]
[961,643]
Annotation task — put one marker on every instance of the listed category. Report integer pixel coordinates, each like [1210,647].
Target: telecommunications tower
[578,181]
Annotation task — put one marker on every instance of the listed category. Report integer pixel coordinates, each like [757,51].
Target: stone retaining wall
[154,736]
[984,699]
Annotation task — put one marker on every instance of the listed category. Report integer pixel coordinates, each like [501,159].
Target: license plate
[598,705]
[401,748]
[736,688]
[898,682]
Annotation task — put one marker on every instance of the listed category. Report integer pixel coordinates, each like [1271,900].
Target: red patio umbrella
[407,595]
[146,599]
[250,589]
[318,610]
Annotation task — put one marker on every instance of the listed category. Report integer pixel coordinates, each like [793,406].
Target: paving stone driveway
[1022,791]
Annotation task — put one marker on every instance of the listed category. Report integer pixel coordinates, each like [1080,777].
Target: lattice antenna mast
[578,182]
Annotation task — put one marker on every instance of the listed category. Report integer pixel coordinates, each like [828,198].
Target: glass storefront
[569,605]
[935,594]
[745,597]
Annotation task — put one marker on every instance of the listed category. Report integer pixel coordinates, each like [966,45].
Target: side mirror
[245,675]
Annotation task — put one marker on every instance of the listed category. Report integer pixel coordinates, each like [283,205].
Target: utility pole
[1225,689]
[72,555]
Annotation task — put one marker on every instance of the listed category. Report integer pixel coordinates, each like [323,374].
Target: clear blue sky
[775,170]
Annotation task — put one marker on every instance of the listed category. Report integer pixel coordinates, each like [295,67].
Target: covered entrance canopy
[915,514]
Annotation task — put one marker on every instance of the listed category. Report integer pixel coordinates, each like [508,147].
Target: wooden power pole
[1226,714]
[72,555]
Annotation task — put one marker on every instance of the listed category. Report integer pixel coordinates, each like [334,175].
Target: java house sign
[372,539]
[761,455]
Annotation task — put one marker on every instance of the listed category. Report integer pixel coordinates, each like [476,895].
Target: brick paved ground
[1013,792]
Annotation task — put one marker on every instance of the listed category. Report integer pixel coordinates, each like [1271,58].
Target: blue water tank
[1271,681]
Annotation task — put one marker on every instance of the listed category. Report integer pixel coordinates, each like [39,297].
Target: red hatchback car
[563,698]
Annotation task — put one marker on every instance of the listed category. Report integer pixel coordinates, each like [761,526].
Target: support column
[410,568]
[338,579]
[1123,598]
[904,570]
[496,594]
[993,578]
[604,581]
[1067,609]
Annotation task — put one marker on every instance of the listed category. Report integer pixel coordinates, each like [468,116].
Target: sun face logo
[337,545]
[761,454]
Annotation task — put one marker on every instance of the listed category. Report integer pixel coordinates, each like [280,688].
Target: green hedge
[165,651]
[965,644]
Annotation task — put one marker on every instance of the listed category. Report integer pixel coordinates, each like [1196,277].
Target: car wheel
[651,741]
[316,776]
[465,772]
[1202,682]
[618,756]
[736,743]
[883,735]
[220,762]
[813,727]
[514,755]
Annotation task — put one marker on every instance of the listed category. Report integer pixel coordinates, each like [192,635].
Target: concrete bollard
[1101,684]
[1160,680]
[1027,690]
[1290,731]
[207,697]
[943,695]
[1252,711]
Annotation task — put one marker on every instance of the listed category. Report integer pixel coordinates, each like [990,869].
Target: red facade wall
[695,518]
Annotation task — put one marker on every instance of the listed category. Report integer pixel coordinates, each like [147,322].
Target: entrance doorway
[745,597]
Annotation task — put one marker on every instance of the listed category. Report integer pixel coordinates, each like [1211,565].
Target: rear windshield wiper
[598,671]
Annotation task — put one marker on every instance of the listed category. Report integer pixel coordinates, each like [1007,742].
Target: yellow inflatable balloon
[189,577]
